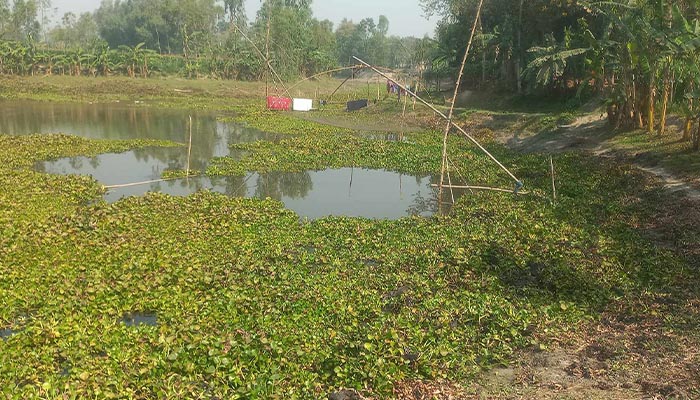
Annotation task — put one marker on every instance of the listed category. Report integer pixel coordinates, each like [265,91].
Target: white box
[302,104]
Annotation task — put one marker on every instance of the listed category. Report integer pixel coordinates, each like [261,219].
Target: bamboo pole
[459,173]
[330,71]
[260,53]
[189,150]
[352,172]
[454,99]
[554,186]
[417,88]
[405,102]
[449,181]
[126,185]
[267,47]
[481,188]
[338,88]
[441,114]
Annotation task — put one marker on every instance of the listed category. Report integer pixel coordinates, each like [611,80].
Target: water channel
[313,194]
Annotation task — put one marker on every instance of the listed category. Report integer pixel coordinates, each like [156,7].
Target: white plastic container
[302,104]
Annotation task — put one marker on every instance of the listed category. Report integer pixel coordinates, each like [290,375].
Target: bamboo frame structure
[445,164]
[330,71]
[518,183]
[267,60]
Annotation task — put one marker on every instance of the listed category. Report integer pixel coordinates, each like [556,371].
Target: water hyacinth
[247,301]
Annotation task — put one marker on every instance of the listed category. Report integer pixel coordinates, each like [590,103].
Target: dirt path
[589,133]
[586,133]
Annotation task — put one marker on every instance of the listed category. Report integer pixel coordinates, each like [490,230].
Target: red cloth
[279,103]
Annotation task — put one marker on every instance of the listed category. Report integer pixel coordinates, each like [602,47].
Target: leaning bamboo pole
[485,188]
[338,88]
[260,53]
[330,71]
[454,125]
[454,100]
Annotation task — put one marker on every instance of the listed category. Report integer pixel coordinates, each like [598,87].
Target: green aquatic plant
[251,302]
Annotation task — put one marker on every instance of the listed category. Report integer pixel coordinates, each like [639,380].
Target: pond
[312,194]
[5,333]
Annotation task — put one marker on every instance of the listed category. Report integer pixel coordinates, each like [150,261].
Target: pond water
[6,333]
[313,194]
[140,318]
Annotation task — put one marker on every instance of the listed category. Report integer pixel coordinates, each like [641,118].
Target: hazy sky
[405,16]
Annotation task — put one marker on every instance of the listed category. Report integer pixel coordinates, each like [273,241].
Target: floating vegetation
[268,306]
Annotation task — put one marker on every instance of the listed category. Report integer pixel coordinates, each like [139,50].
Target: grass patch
[668,151]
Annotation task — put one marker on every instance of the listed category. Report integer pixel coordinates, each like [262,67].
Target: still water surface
[312,194]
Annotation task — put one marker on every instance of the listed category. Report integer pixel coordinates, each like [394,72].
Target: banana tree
[636,58]
[102,55]
[17,58]
[30,55]
[5,51]
[63,63]
[550,61]
[76,59]
[688,70]
[134,57]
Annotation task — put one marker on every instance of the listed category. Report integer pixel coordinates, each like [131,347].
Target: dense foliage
[641,55]
[195,38]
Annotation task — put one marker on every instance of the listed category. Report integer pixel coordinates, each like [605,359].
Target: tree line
[642,56]
[195,38]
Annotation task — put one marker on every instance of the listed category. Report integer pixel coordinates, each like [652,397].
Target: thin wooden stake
[554,186]
[405,101]
[449,180]
[352,172]
[189,150]
[417,88]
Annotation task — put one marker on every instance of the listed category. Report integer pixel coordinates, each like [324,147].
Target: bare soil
[590,133]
